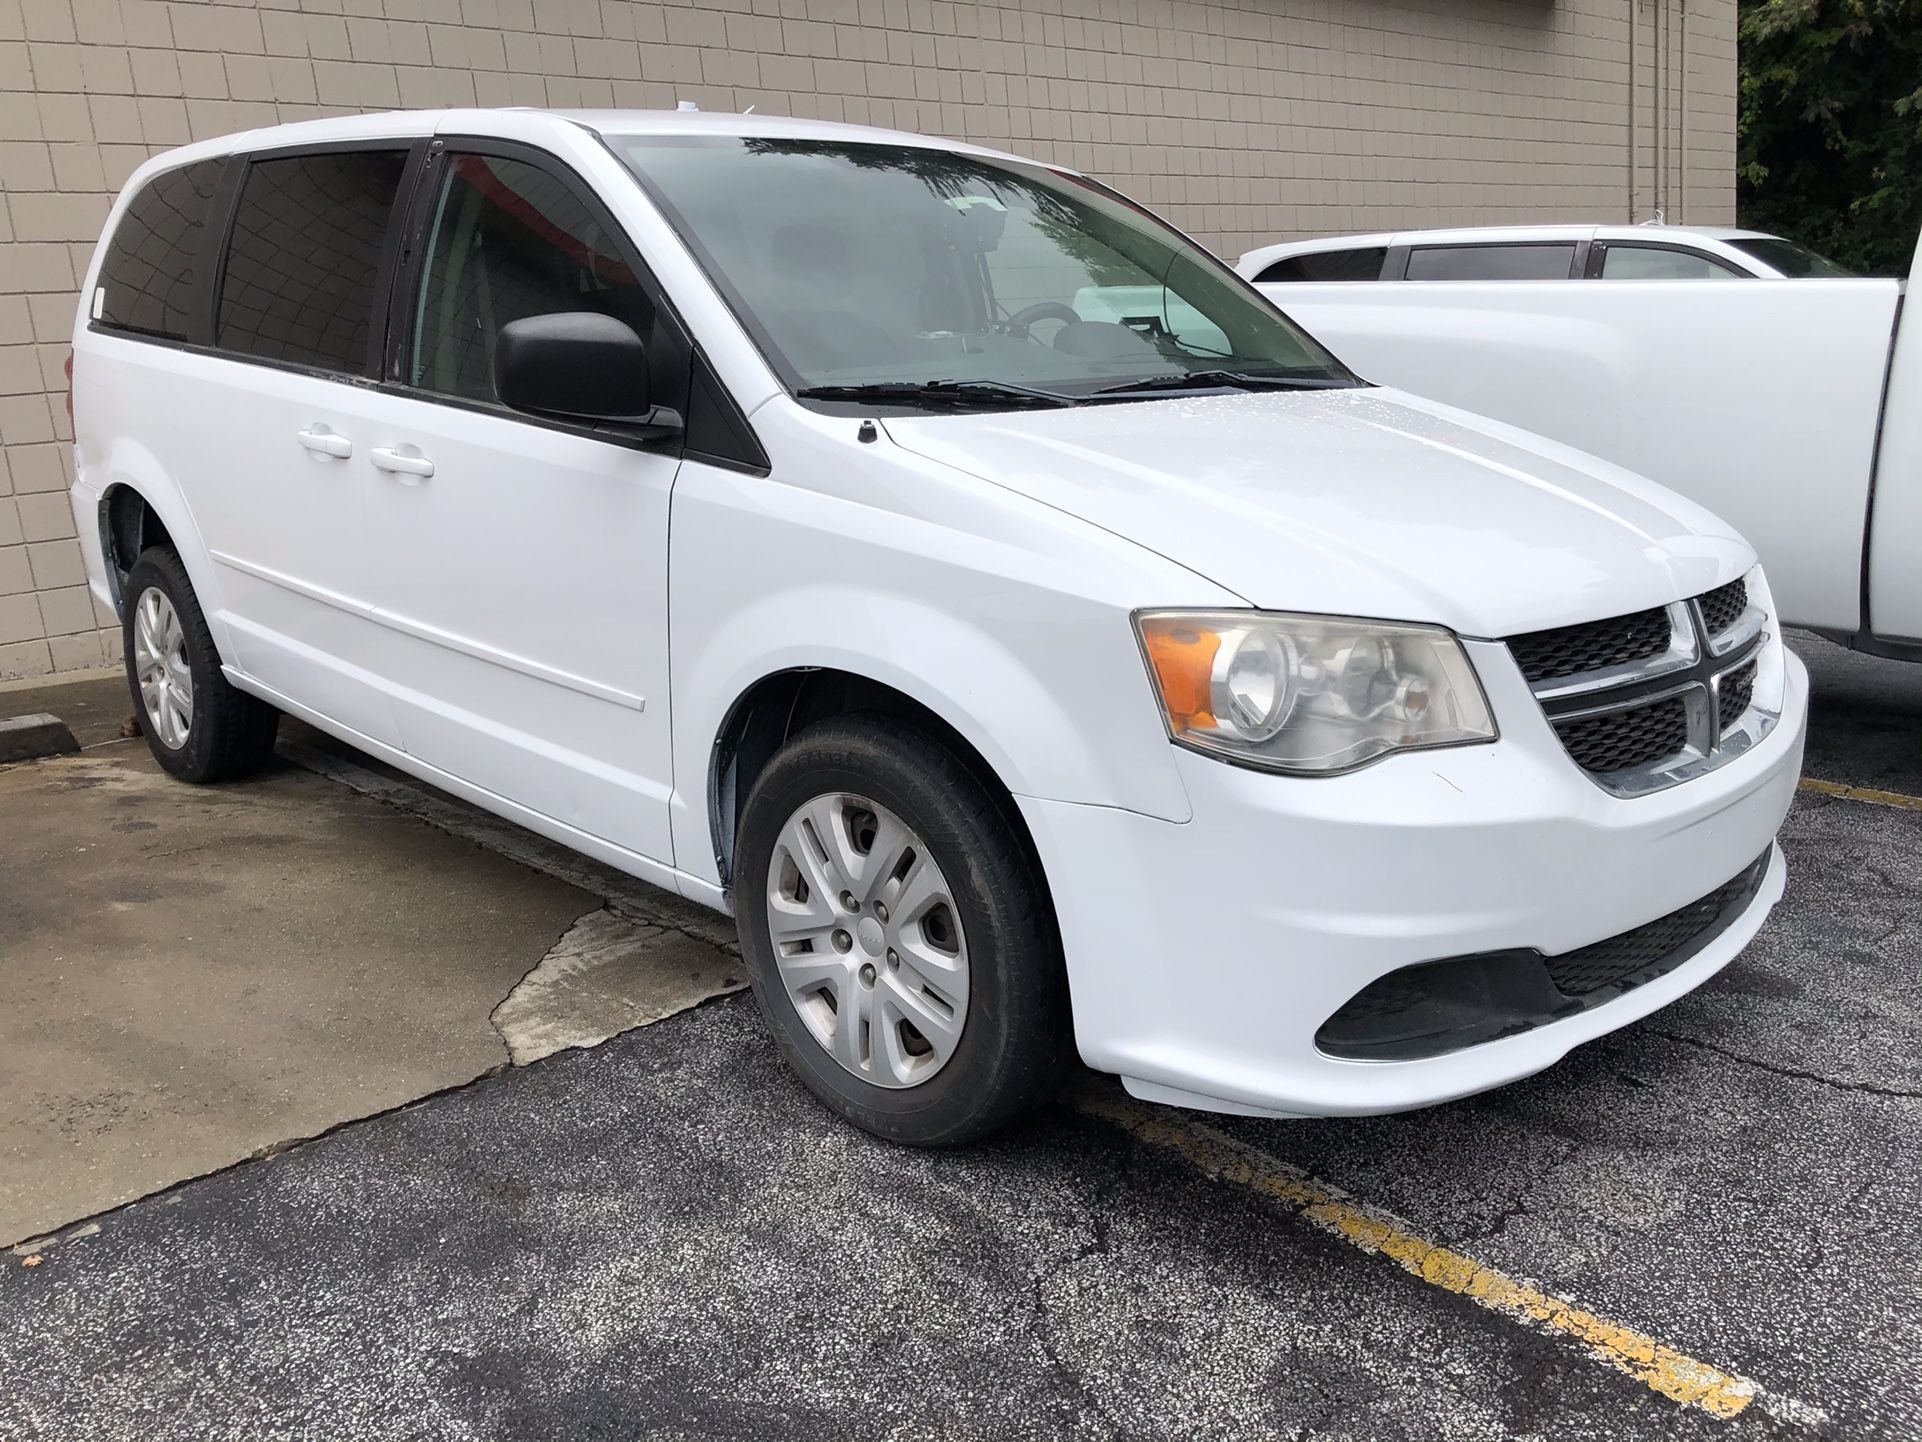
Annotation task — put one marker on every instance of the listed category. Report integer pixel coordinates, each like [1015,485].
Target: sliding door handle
[404,463]
[325,442]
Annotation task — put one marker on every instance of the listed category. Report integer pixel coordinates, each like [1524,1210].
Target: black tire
[1016,1043]
[231,734]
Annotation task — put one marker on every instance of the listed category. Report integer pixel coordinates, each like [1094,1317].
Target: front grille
[1436,1007]
[1610,962]
[1617,740]
[1591,645]
[1644,701]
[1738,689]
[1723,607]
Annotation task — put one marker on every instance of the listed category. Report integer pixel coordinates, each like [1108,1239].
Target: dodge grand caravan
[1039,643]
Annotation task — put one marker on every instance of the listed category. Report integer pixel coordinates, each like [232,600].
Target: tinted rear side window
[1328,265]
[304,259]
[1492,262]
[154,259]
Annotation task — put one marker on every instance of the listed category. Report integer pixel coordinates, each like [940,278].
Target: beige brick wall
[1243,120]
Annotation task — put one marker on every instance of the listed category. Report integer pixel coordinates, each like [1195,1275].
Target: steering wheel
[1031,315]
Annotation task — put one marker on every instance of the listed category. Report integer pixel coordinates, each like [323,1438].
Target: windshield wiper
[1226,380]
[948,392]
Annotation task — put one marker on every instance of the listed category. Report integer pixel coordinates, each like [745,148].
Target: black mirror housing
[577,365]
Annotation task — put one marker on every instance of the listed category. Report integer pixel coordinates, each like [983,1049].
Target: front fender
[996,698]
[1020,639]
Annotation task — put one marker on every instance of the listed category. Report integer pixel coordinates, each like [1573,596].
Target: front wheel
[198,726]
[899,934]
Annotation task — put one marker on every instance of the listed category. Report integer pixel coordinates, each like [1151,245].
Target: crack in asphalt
[1517,1205]
[1097,1245]
[1887,936]
[1793,1073]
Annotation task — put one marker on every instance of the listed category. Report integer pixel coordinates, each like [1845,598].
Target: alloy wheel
[160,663]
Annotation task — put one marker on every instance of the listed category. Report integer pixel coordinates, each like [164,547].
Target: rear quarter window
[150,273]
[303,263]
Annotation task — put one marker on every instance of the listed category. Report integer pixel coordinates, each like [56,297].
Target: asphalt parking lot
[1705,1225]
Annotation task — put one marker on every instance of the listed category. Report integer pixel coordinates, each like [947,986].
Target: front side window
[1492,262]
[1328,265]
[857,264]
[304,259]
[509,240]
[1655,262]
[147,279]
[1797,262]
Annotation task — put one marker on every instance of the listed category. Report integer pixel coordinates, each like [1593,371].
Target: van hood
[1365,502]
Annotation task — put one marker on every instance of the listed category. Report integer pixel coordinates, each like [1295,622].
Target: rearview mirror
[581,366]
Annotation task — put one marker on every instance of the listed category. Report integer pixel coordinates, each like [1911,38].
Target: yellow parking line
[1862,793]
[1652,1363]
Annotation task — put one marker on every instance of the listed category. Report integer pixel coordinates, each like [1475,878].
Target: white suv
[1540,252]
[1033,638]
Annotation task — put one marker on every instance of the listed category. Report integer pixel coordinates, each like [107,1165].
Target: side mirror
[581,366]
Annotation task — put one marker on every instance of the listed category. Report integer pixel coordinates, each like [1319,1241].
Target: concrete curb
[60,678]
[28,738]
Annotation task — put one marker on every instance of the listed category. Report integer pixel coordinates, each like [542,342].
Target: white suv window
[1534,261]
[1628,261]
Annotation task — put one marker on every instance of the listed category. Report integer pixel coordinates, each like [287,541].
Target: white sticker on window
[99,301]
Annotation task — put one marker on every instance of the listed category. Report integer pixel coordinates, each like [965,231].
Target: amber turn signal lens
[1309,695]
[1183,657]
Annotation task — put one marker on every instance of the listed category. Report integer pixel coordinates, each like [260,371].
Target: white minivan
[1036,641]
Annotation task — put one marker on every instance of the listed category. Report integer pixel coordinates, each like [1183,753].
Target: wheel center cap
[868,932]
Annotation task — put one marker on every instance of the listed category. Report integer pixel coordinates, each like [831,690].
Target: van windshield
[860,266]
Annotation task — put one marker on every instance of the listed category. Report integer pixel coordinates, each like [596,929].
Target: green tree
[1829,148]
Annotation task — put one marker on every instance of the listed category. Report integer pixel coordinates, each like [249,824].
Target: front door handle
[387,458]
[326,442]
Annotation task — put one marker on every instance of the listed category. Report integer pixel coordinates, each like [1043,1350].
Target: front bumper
[1204,956]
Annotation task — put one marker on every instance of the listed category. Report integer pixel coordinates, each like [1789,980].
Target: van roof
[724,123]
[410,124]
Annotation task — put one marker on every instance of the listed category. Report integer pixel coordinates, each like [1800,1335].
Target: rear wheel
[899,935]
[199,727]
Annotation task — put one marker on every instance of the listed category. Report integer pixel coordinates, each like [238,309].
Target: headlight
[1310,694]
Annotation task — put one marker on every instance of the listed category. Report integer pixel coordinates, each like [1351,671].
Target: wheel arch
[141,504]
[129,524]
[784,702]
